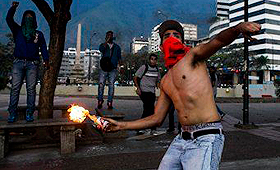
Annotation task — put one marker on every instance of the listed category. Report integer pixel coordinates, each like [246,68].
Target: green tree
[259,63]
[6,61]
[229,57]
[233,57]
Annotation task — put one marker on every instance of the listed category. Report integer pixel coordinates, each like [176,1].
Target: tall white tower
[78,71]
[78,47]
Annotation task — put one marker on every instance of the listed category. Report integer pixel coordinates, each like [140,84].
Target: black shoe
[140,132]
[110,105]
[100,102]
[170,130]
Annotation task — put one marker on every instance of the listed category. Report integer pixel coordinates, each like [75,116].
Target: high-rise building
[69,57]
[263,12]
[222,8]
[91,61]
[190,34]
[139,44]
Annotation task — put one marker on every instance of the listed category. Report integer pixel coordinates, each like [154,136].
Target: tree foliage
[6,61]
[233,57]
[259,63]
[132,62]
[229,57]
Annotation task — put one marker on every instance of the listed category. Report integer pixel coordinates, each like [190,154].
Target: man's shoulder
[142,67]
[40,33]
[116,45]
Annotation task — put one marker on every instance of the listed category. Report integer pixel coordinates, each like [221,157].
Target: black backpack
[105,62]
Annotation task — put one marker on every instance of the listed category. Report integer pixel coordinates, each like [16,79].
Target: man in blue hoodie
[28,42]
[111,56]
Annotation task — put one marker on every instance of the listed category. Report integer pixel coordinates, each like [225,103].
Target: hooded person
[28,43]
[29,25]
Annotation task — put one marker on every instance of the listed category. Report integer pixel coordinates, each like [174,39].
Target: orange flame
[77,113]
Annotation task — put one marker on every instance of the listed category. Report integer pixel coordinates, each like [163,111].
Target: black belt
[28,59]
[194,135]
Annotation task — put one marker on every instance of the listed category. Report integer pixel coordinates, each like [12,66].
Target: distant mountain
[127,18]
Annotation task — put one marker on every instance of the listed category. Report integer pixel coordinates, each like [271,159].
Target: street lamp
[159,12]
[246,77]
[90,48]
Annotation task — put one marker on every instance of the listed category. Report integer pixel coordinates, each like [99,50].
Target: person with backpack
[111,57]
[146,79]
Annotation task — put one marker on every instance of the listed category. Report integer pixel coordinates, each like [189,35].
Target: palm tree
[259,63]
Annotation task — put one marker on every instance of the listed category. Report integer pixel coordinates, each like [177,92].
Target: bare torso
[189,88]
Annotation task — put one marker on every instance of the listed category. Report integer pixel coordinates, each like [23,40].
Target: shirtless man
[187,85]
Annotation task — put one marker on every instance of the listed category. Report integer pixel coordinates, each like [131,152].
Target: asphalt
[244,148]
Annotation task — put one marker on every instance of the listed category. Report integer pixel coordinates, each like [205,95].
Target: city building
[89,61]
[190,35]
[139,45]
[231,12]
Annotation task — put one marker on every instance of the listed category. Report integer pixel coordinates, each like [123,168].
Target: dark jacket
[23,49]
[106,52]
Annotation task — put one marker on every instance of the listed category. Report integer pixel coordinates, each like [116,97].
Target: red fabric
[171,47]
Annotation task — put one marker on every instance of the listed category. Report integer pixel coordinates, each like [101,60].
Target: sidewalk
[244,149]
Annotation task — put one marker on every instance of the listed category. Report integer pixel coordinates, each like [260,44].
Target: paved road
[244,149]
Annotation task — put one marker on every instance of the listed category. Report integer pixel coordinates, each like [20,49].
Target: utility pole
[161,13]
[246,76]
[89,63]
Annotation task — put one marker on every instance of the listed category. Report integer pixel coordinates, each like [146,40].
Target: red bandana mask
[174,50]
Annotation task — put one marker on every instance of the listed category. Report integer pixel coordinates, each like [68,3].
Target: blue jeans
[22,69]
[102,80]
[203,153]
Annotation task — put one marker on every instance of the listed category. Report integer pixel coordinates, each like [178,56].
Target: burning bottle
[79,114]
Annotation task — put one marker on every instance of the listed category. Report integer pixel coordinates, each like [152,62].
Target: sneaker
[154,132]
[110,105]
[99,105]
[12,118]
[29,117]
[148,132]
[222,115]
[140,132]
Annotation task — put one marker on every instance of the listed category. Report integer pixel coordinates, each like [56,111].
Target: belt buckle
[191,134]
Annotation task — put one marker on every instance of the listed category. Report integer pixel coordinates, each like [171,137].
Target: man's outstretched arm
[224,38]
[156,119]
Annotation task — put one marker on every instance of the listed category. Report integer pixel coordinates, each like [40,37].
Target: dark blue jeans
[103,76]
[22,69]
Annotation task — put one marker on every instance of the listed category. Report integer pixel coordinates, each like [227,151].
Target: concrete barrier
[255,90]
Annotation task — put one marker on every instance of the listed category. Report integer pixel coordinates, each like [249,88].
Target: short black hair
[170,25]
[109,32]
[153,55]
